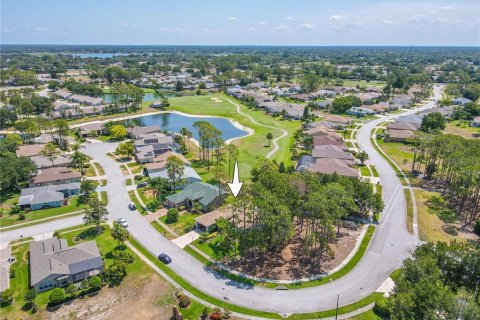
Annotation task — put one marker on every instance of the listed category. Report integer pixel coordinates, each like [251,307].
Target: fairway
[254,147]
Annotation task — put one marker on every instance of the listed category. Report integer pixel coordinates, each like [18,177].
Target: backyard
[254,147]
[462,129]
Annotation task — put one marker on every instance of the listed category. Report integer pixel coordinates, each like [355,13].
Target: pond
[98,55]
[174,122]
[149,96]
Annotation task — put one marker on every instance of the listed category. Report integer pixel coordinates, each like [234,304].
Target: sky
[241,22]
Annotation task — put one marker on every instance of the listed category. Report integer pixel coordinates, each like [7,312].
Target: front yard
[74,205]
[399,152]
[185,223]
[142,293]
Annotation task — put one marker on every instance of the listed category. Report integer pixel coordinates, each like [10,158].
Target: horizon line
[246,45]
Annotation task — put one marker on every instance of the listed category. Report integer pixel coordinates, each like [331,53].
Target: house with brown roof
[327,139]
[402,126]
[92,129]
[321,131]
[398,135]
[208,220]
[337,119]
[55,176]
[333,152]
[29,150]
[331,166]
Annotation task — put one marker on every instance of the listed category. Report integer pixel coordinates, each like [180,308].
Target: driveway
[390,245]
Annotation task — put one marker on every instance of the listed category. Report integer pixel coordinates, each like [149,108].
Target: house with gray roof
[461,101]
[54,264]
[135,131]
[150,145]
[42,162]
[207,195]
[51,196]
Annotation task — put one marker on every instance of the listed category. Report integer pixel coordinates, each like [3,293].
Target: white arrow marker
[236,185]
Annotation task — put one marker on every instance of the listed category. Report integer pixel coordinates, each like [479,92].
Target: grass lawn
[185,223]
[429,224]
[104,196]
[363,83]
[6,201]
[225,305]
[134,199]
[147,197]
[212,249]
[254,147]
[73,205]
[399,152]
[137,272]
[462,129]
[162,230]
[90,171]
[364,171]
[409,221]
[369,315]
[374,170]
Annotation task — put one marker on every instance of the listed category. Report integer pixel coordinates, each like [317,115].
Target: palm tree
[362,156]
[50,152]
[269,137]
[232,154]
[79,160]
[158,187]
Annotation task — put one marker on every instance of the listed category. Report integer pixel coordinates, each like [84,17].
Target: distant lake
[149,96]
[99,55]
[174,122]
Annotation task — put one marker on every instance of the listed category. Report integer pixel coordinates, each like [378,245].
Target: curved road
[390,245]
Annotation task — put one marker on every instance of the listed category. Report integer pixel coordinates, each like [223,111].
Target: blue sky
[259,22]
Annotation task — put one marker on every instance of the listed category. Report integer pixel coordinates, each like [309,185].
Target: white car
[122,222]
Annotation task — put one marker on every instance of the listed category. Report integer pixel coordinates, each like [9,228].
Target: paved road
[390,244]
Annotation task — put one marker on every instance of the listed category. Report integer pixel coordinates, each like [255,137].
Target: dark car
[132,206]
[164,258]
[142,184]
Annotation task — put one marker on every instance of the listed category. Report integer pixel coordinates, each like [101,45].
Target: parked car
[122,222]
[142,184]
[132,206]
[164,258]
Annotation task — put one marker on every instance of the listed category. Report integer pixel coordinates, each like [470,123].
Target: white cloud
[41,29]
[125,24]
[164,29]
[289,18]
[263,23]
[446,8]
[282,27]
[388,22]
[337,17]
[306,26]
[417,18]
[232,18]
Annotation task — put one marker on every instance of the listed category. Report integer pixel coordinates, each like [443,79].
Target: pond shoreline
[249,131]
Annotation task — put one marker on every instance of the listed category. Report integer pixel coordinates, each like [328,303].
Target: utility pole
[336,310]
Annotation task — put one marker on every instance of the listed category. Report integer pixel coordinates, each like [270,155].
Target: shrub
[216,316]
[95,283]
[7,296]
[84,284]
[476,227]
[123,256]
[14,209]
[381,307]
[227,314]
[12,273]
[172,215]
[71,289]
[183,299]
[57,296]
[451,229]
[21,215]
[376,217]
